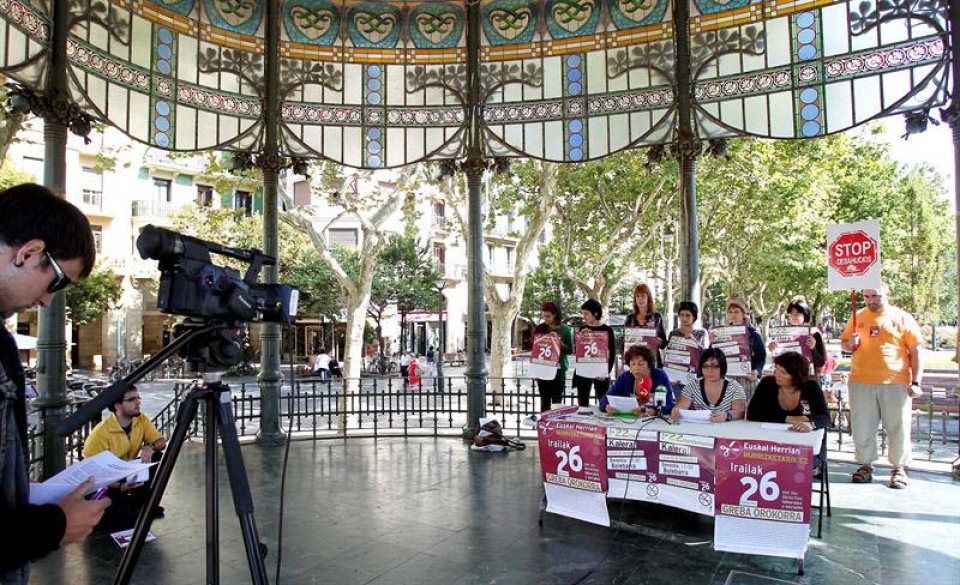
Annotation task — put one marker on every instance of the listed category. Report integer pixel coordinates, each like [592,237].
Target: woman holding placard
[595,344]
[552,343]
[798,315]
[649,385]
[646,321]
[687,314]
[711,390]
[743,346]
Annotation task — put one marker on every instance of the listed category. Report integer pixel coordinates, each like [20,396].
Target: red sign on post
[853,253]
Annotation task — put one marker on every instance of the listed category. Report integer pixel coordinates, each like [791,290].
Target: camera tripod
[217,417]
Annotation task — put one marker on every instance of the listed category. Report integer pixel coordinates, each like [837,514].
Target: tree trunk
[503,319]
[353,356]
[503,316]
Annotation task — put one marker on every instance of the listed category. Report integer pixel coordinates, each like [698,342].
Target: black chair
[824,488]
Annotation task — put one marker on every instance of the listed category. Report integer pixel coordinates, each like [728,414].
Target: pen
[100,493]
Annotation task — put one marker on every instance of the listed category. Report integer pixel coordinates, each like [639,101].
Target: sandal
[898,479]
[863,475]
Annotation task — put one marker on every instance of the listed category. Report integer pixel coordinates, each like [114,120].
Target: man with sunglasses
[128,434]
[45,244]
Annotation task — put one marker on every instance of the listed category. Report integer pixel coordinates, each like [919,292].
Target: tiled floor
[430,511]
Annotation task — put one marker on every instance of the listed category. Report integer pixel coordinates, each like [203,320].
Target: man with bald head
[45,244]
[885,375]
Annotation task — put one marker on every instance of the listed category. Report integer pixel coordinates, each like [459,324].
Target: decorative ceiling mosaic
[382,84]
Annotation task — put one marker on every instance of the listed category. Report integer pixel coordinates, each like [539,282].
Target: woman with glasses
[710,389]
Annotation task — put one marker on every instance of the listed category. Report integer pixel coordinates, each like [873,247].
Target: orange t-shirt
[883,356]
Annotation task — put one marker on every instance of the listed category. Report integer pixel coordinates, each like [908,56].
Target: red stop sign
[853,253]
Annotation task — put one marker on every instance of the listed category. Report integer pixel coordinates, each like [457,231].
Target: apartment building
[122,186]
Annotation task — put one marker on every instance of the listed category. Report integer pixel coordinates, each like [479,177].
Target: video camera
[192,286]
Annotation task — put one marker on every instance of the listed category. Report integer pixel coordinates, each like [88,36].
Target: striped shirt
[692,389]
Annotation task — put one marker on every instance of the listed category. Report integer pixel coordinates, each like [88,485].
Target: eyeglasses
[60,278]
[711,366]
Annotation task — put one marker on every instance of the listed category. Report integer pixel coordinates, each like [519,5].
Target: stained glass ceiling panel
[378,84]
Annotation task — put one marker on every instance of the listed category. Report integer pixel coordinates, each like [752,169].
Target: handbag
[491,433]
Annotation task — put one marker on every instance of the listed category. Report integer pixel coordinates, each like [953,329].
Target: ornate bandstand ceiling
[383,84]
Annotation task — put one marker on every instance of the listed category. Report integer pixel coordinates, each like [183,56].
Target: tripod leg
[213,489]
[185,416]
[240,487]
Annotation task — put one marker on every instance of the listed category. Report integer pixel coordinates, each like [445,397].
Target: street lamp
[668,254]
[441,349]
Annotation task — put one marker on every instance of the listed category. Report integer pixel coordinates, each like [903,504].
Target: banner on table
[762,488]
[791,338]
[592,349]
[545,356]
[642,336]
[632,464]
[685,472]
[734,341]
[573,462]
[681,357]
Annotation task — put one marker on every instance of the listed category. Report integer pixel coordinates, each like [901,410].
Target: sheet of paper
[696,416]
[124,537]
[105,468]
[778,426]
[623,403]
[579,504]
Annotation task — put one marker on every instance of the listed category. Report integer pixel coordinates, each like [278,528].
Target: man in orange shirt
[885,376]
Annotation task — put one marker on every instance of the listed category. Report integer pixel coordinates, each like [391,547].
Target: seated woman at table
[642,380]
[710,389]
[790,396]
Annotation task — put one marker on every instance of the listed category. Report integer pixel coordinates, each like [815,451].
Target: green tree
[609,218]
[406,276]
[93,296]
[549,281]
[529,190]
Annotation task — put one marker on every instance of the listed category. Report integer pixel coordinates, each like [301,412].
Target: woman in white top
[711,390]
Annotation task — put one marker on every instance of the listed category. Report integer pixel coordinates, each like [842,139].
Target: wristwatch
[914,383]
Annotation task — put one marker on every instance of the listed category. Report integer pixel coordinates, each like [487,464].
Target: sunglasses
[60,278]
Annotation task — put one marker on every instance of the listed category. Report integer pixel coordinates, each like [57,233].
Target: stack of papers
[105,468]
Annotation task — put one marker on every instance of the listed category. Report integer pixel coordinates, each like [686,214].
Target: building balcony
[119,266]
[145,209]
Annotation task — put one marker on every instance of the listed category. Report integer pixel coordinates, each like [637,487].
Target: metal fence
[389,407]
[383,406]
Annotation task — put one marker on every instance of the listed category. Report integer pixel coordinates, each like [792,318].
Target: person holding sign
[595,343]
[798,315]
[885,375]
[711,390]
[648,384]
[647,321]
[558,342]
[750,346]
[687,315]
[684,344]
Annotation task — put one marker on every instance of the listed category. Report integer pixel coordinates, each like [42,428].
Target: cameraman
[45,244]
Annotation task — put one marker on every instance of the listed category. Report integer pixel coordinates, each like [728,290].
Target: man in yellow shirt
[128,434]
[885,375]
